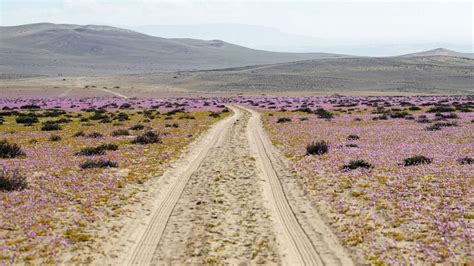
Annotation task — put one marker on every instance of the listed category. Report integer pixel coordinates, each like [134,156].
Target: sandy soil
[229,199]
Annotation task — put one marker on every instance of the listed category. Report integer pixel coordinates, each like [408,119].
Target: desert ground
[119,148]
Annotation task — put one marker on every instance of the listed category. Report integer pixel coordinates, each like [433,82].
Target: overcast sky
[369,21]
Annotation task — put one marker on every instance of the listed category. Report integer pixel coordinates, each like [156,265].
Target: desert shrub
[108,147]
[53,113]
[30,106]
[353,137]
[440,125]
[148,137]
[122,117]
[54,138]
[323,114]
[304,110]
[414,108]
[283,120]
[50,126]
[225,110]
[91,151]
[174,111]
[380,117]
[10,150]
[12,180]
[354,164]
[27,119]
[318,148]
[105,120]
[120,132]
[466,160]
[447,116]
[79,134]
[416,160]
[61,121]
[398,114]
[98,116]
[441,109]
[422,119]
[125,106]
[214,115]
[100,163]
[174,125]
[187,116]
[137,127]
[94,135]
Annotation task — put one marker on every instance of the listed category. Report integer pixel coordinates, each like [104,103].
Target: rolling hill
[396,75]
[52,49]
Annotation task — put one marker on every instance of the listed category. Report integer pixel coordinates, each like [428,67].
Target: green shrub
[416,160]
[354,164]
[318,148]
[10,150]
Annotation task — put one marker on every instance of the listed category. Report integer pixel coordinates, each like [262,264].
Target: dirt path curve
[231,200]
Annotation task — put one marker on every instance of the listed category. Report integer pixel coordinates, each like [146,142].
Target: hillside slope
[424,75]
[72,49]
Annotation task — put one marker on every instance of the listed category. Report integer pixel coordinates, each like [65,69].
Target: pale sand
[229,199]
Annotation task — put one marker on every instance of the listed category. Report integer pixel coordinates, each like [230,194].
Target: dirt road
[231,199]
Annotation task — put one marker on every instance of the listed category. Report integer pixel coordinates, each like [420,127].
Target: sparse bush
[352,145]
[122,117]
[12,180]
[108,147]
[414,108]
[354,164]
[79,134]
[441,109]
[422,119]
[10,150]
[416,160]
[323,114]
[214,115]
[120,132]
[50,126]
[94,135]
[148,137]
[398,114]
[137,127]
[353,137]
[55,138]
[318,148]
[27,119]
[466,160]
[91,151]
[440,125]
[100,163]
[283,120]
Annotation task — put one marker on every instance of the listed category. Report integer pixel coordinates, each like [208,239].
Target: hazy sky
[372,21]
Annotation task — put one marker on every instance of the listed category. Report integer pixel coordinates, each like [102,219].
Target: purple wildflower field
[76,160]
[392,206]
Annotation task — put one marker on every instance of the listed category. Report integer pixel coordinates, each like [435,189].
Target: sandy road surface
[230,200]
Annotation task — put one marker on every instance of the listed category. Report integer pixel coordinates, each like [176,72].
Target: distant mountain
[272,39]
[257,37]
[440,52]
[47,48]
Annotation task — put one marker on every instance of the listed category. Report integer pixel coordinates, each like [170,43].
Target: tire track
[296,245]
[144,251]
